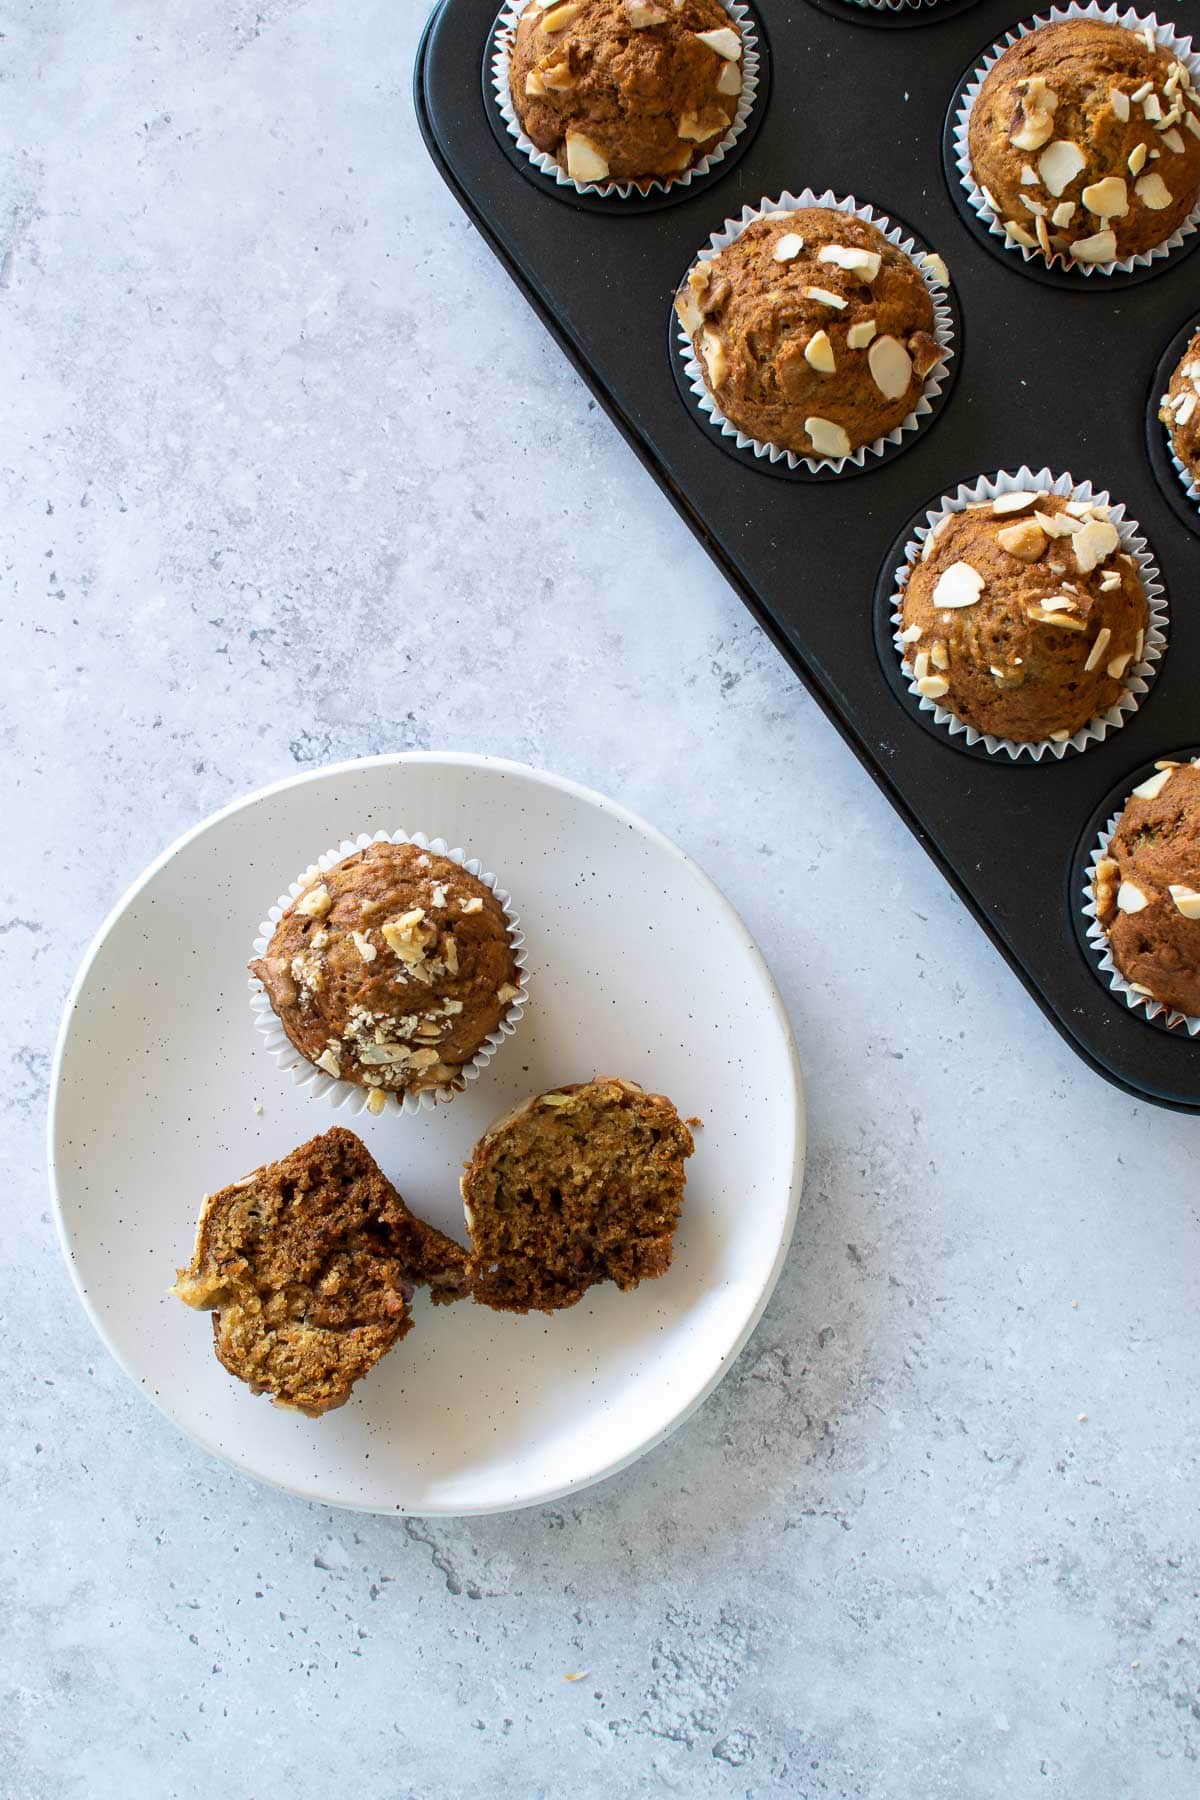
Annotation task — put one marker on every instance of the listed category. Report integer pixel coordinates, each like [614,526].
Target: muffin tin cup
[1095,938]
[497,60]
[968,189]
[348,1096]
[1139,676]
[892,12]
[690,378]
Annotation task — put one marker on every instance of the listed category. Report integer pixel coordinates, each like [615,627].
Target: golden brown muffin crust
[308,1265]
[1001,618]
[1180,410]
[580,1185]
[626,89]
[801,351]
[1147,888]
[1087,141]
[391,969]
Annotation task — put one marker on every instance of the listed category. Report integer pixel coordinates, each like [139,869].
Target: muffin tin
[1049,374]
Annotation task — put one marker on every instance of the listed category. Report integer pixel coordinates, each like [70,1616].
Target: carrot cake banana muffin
[1085,138]
[1147,888]
[391,969]
[580,1185]
[1023,614]
[626,90]
[1180,409]
[812,331]
[308,1266]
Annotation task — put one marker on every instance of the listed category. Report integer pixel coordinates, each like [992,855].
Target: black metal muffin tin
[1048,373]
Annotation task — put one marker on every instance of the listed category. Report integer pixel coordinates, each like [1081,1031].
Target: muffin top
[1086,139]
[813,331]
[626,89]
[1023,615]
[1147,889]
[390,969]
[1180,409]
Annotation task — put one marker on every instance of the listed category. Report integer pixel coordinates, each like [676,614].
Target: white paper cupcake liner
[347,1095]
[1098,939]
[503,37]
[977,199]
[1138,676]
[943,331]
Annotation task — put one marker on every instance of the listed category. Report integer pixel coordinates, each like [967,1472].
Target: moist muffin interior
[1085,139]
[581,1185]
[308,1266]
[1023,615]
[391,969]
[626,90]
[812,331]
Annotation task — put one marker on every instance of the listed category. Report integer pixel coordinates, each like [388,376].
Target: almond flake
[788,247]
[959,585]
[1153,785]
[825,297]
[1108,199]
[1119,101]
[585,160]
[826,437]
[1130,899]
[818,353]
[1101,247]
[1187,900]
[1096,653]
[933,687]
[1153,192]
[1059,164]
[1119,664]
[315,903]
[725,41]
[366,949]
[860,335]
[859,262]
[891,367]
[1013,503]
[473,905]
[1095,540]
[559,17]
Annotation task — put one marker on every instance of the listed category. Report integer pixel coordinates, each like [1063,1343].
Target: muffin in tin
[391,969]
[1180,409]
[1023,615]
[1146,889]
[812,331]
[626,90]
[1085,139]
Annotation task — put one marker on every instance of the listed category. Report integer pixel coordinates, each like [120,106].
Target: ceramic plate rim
[590,797]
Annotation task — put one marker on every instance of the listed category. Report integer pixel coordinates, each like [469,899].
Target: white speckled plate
[639,967]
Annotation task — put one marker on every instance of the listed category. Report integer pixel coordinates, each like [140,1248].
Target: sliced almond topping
[1130,899]
[1045,615]
[860,335]
[1095,540]
[1013,503]
[1110,580]
[689,314]
[1142,93]
[818,353]
[1059,164]
[715,360]
[939,655]
[788,247]
[846,256]
[1119,664]
[585,160]
[910,634]
[1019,234]
[1153,785]
[1062,215]
[932,687]
[920,665]
[1057,525]
[935,267]
[827,438]
[507,993]
[362,943]
[726,42]
[1153,192]
[1059,737]
[825,297]
[1119,101]
[1101,247]
[1026,540]
[1036,119]
[697,128]
[729,79]
[315,903]
[535,87]
[559,17]
[1108,199]
[959,585]
[1096,653]
[1173,142]
[642,16]
[376,1100]
[473,905]
[559,77]
[1187,900]
[1028,176]
[1152,108]
[1137,159]
[891,367]
[449,954]
[328,1061]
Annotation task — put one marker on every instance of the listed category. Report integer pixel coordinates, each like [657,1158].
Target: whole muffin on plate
[626,90]
[391,969]
[1086,137]
[1180,409]
[1023,615]
[579,1185]
[1147,888]
[813,332]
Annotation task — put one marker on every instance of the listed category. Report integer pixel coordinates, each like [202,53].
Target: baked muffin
[1180,409]
[1023,615]
[308,1266]
[391,969]
[1085,138]
[813,332]
[1147,888]
[626,90]
[580,1185]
